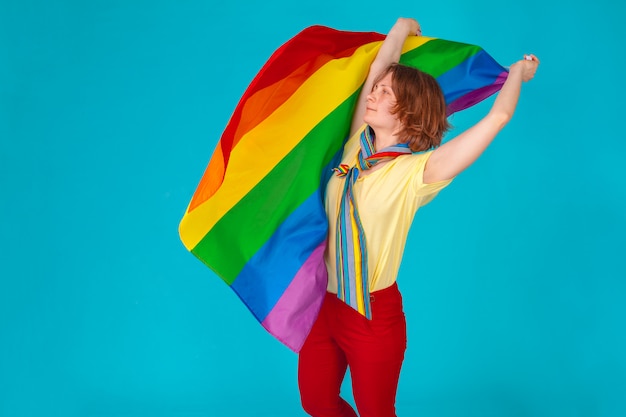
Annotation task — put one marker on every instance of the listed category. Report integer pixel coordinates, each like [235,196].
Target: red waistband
[389,292]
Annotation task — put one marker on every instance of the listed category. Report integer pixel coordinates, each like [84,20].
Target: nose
[370,97]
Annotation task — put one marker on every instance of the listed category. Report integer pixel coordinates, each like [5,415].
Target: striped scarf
[351,245]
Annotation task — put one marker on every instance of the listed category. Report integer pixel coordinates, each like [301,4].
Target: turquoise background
[513,278]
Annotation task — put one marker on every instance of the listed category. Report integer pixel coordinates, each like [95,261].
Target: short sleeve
[426,192]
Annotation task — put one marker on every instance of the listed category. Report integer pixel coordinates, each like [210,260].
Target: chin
[369,121]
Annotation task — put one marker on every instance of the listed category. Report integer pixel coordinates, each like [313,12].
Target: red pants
[373,349]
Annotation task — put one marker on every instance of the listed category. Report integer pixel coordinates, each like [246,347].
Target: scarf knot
[342,170]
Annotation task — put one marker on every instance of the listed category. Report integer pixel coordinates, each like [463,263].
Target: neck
[385,139]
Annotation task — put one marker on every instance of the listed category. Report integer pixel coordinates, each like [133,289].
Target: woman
[371,203]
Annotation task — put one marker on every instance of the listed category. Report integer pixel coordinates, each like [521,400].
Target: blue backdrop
[513,278]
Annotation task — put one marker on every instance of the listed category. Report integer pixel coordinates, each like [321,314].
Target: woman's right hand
[409,25]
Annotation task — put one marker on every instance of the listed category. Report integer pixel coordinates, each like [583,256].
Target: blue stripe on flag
[269,272]
[477,71]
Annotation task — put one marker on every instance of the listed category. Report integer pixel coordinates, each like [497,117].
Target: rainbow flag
[257,217]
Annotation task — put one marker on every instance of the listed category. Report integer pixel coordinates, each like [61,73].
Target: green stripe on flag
[427,57]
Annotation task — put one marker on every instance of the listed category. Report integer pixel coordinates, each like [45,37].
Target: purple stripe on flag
[295,312]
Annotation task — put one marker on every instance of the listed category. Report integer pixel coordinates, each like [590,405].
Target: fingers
[413,25]
[530,67]
[418,30]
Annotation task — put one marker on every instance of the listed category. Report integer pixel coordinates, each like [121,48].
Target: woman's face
[380,102]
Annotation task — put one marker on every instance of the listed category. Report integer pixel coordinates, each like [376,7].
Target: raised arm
[459,153]
[389,52]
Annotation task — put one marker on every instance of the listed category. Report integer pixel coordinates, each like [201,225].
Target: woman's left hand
[527,67]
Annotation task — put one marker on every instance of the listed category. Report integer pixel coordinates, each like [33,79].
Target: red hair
[420,106]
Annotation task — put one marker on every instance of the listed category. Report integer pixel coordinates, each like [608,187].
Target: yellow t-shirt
[387,199]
